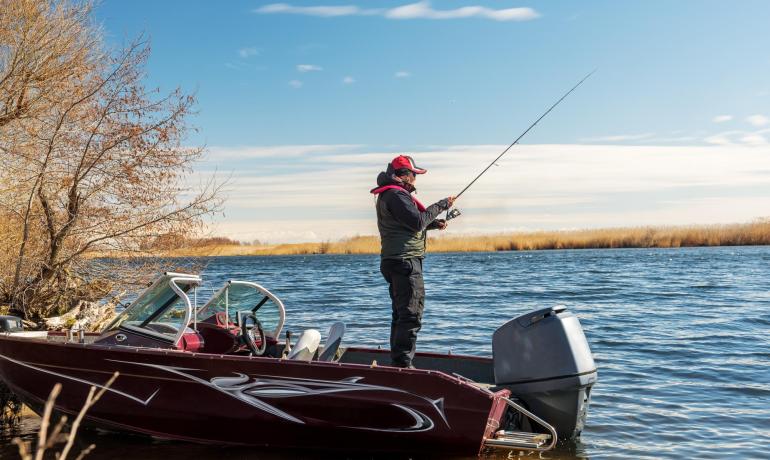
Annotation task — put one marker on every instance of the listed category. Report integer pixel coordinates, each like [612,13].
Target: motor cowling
[544,359]
[11,324]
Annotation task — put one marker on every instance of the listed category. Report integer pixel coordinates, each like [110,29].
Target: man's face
[410,178]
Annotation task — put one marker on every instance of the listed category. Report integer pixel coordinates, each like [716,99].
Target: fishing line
[452,213]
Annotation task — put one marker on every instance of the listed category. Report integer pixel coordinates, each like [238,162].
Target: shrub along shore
[750,234]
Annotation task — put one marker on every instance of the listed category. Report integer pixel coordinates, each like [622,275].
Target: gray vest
[398,241]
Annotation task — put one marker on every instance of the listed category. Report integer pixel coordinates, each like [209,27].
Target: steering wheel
[248,335]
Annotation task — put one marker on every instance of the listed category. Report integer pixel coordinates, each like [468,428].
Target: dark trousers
[407,295]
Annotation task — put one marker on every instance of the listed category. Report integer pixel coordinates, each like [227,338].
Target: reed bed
[750,234]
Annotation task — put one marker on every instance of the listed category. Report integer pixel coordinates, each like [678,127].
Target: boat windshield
[238,296]
[163,310]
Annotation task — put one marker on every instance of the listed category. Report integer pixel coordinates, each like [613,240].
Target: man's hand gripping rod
[452,213]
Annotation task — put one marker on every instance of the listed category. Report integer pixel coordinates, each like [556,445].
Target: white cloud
[424,10]
[323,11]
[719,139]
[295,84]
[248,52]
[283,230]
[758,120]
[402,74]
[304,68]
[722,118]
[737,137]
[219,153]
[618,138]
[419,10]
[674,137]
[754,139]
[535,187]
[669,140]
[348,80]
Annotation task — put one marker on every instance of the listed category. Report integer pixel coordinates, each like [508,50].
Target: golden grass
[755,233]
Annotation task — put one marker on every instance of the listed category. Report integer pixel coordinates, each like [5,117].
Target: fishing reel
[452,213]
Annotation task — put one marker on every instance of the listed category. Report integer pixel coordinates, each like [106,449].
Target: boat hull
[242,400]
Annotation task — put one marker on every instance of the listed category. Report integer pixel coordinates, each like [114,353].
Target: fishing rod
[452,213]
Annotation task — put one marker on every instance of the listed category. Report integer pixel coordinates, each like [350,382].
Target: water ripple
[681,336]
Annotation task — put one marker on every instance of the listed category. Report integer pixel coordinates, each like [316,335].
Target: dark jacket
[403,227]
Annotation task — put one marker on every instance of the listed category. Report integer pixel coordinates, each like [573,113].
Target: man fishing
[403,223]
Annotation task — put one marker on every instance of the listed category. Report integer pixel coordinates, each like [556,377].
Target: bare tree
[42,45]
[102,168]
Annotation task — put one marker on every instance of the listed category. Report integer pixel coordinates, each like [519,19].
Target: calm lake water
[681,338]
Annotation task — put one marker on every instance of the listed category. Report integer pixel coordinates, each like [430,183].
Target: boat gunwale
[243,358]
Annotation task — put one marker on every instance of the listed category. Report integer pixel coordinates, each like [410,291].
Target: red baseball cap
[406,162]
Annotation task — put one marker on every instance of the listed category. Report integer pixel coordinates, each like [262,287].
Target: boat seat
[306,346]
[333,341]
[217,339]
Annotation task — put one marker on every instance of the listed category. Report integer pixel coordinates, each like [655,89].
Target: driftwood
[87,316]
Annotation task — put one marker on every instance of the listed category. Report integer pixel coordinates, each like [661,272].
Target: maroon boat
[220,374]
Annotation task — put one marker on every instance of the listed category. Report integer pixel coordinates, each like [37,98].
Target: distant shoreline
[749,234]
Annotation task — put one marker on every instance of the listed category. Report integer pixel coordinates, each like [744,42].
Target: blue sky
[292,95]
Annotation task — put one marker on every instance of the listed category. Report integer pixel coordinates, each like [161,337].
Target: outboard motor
[543,358]
[11,324]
